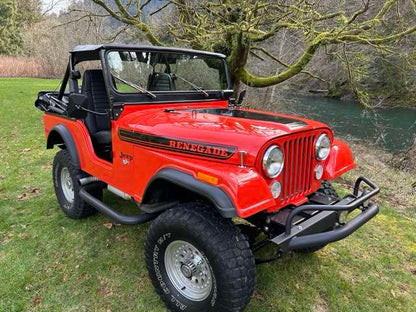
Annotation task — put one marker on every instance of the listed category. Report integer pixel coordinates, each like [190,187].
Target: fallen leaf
[23,236]
[22,196]
[7,238]
[83,276]
[36,300]
[46,166]
[393,293]
[258,297]
[108,225]
[35,190]
[28,287]
[121,237]
[28,149]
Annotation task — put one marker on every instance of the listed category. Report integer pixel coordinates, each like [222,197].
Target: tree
[10,37]
[30,12]
[239,29]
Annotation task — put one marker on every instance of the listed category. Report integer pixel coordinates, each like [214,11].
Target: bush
[20,67]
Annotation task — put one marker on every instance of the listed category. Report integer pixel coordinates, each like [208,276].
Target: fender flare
[340,160]
[215,194]
[67,139]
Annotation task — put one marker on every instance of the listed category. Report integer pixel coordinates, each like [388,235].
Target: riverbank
[398,187]
[52,263]
[389,129]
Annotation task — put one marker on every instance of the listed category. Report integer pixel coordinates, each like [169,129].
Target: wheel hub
[66,185]
[188,270]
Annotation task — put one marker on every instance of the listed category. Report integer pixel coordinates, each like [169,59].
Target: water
[393,129]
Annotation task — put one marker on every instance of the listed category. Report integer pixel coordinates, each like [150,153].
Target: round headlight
[323,147]
[273,161]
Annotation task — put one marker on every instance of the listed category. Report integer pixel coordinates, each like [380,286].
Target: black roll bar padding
[350,206]
[64,82]
[115,215]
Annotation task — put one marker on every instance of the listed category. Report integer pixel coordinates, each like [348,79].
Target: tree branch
[261,82]
[125,17]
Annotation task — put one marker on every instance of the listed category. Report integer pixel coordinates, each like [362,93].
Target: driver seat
[98,126]
[160,82]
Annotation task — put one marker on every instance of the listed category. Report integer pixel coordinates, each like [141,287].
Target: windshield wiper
[197,88]
[134,86]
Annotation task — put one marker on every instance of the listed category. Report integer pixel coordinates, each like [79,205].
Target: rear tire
[65,180]
[326,190]
[199,261]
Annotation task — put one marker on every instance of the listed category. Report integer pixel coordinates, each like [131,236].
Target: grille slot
[296,178]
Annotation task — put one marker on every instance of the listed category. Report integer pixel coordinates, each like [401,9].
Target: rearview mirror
[77,105]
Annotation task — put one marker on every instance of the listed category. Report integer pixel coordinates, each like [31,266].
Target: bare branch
[125,17]
[160,9]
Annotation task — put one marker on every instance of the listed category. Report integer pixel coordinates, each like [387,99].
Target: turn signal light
[207,178]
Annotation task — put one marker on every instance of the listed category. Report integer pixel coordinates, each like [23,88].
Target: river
[392,129]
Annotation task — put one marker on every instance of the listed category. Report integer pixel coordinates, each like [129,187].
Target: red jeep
[160,127]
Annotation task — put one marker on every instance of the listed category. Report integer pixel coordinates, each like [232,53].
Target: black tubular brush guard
[311,232]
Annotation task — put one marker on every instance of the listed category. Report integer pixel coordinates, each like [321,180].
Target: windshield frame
[165,50]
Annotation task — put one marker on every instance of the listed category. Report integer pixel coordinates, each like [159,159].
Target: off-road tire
[326,190]
[226,250]
[76,209]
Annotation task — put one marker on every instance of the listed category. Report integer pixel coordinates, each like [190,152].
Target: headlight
[273,161]
[323,147]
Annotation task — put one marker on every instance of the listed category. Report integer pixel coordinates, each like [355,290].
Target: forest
[362,50]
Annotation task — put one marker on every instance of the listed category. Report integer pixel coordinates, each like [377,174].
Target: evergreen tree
[11,41]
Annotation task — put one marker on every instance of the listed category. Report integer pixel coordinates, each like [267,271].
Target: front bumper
[311,232]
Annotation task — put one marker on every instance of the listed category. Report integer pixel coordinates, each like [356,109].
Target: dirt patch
[407,160]
[321,306]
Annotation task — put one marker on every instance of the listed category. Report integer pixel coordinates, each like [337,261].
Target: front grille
[297,171]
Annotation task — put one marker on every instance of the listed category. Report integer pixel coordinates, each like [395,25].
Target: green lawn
[51,263]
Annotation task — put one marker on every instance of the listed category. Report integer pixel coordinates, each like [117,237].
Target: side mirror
[77,105]
[241,97]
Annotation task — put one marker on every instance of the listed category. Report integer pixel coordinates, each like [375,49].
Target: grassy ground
[51,263]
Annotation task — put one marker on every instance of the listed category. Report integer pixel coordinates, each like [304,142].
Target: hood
[217,132]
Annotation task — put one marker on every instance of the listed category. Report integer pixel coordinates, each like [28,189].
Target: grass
[51,263]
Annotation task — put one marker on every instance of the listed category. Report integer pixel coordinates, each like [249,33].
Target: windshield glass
[135,71]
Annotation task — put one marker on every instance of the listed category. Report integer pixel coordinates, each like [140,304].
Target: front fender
[340,160]
[218,197]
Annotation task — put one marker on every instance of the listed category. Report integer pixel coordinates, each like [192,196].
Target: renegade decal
[178,145]
[291,123]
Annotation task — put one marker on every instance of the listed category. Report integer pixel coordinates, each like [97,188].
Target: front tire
[65,181]
[199,261]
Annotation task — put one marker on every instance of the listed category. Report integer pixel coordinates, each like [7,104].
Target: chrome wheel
[66,185]
[188,270]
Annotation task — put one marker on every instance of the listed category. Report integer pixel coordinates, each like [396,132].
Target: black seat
[160,82]
[99,126]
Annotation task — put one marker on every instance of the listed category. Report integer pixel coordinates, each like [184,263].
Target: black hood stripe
[237,113]
[178,145]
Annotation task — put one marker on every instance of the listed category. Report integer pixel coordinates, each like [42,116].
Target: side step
[115,215]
